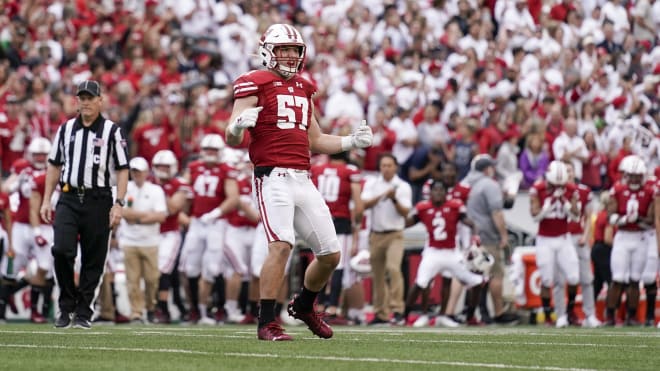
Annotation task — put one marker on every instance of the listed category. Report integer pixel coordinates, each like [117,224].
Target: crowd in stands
[525,81]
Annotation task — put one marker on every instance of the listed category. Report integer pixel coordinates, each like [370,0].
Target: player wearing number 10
[276,106]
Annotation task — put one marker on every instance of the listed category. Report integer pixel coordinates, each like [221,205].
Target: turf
[39,347]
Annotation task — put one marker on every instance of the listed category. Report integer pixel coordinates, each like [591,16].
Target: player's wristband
[346,143]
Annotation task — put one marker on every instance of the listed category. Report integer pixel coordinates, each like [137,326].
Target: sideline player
[276,106]
[215,194]
[440,217]
[628,209]
[552,203]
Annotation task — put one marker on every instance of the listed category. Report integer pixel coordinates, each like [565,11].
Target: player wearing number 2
[629,210]
[553,201]
[276,106]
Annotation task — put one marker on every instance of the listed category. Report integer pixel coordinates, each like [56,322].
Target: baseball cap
[481,162]
[139,164]
[90,87]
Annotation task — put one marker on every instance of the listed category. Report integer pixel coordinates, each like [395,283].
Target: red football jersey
[334,183]
[208,186]
[584,198]
[27,178]
[629,201]
[171,187]
[280,136]
[556,222]
[440,221]
[237,217]
[460,191]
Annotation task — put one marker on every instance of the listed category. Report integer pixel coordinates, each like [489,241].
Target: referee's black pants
[89,219]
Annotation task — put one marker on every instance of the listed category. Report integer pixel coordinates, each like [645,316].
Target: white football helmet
[165,157]
[557,174]
[281,35]
[212,142]
[38,146]
[634,171]
[360,262]
[478,260]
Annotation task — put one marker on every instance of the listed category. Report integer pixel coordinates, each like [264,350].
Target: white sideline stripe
[146,350]
[517,343]
[59,332]
[408,361]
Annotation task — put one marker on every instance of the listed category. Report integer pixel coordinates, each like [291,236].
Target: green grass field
[38,347]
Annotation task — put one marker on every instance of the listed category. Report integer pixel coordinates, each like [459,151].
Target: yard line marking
[147,350]
[60,332]
[504,332]
[408,361]
[516,343]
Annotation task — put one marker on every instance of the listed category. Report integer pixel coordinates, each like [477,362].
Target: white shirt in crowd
[384,214]
[149,197]
[565,143]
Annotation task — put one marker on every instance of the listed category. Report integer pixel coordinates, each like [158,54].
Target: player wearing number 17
[275,106]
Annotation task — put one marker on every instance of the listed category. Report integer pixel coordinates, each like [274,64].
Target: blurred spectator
[390,199]
[139,237]
[534,160]
[384,139]
[569,147]
[506,162]
[595,168]
[464,147]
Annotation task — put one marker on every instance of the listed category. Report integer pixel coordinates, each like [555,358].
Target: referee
[88,157]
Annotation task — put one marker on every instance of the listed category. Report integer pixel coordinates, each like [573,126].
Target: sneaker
[312,319]
[473,321]
[137,321]
[591,322]
[398,320]
[64,320]
[377,321]
[574,320]
[632,322]
[272,331]
[650,322]
[193,317]
[335,320]
[82,323]
[121,319]
[249,319]
[446,321]
[610,322]
[422,321]
[548,322]
[151,317]
[507,318]
[103,321]
[219,317]
[206,321]
[562,321]
[36,317]
[237,317]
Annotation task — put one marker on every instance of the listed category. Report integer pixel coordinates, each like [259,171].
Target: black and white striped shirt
[89,156]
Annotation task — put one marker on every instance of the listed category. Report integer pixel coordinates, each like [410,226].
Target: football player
[579,230]
[177,195]
[440,217]
[276,106]
[553,201]
[215,194]
[629,210]
[27,240]
[339,184]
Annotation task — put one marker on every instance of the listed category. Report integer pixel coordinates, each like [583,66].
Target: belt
[82,191]
[386,231]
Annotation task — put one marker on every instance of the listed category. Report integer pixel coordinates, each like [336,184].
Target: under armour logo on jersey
[299,84]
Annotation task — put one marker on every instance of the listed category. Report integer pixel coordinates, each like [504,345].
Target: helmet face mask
[634,171]
[274,49]
[165,164]
[211,147]
[37,152]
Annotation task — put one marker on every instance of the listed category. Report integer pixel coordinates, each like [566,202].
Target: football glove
[246,119]
[362,137]
[211,216]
